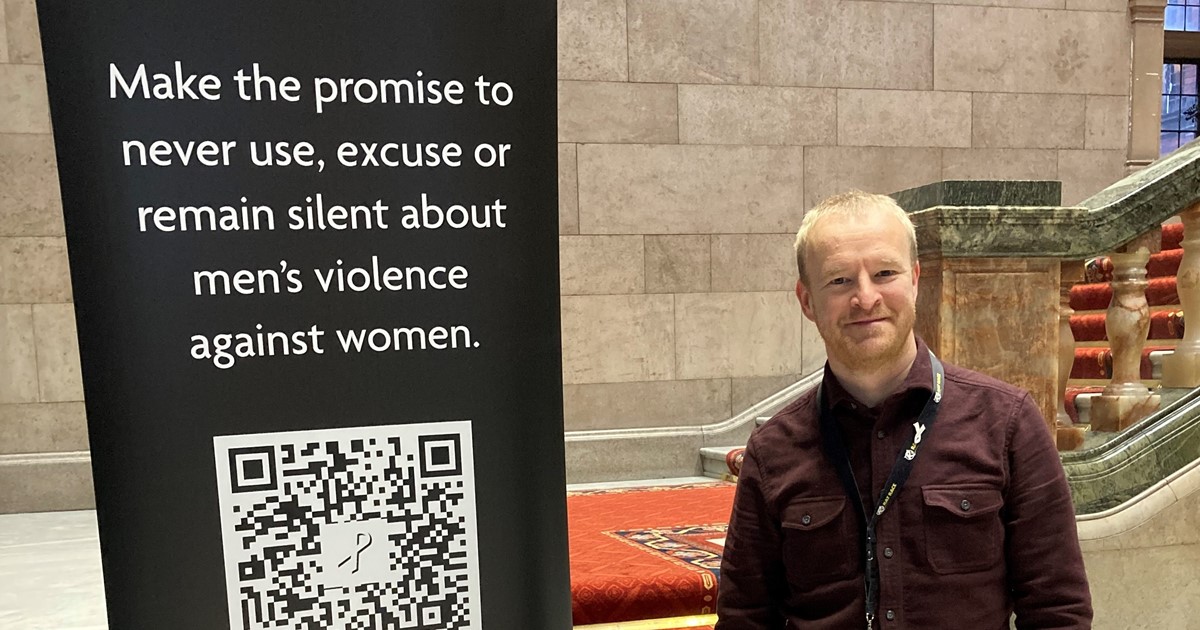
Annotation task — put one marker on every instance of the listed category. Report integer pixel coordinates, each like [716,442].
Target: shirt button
[881,435]
[891,615]
[887,552]
[806,519]
[965,505]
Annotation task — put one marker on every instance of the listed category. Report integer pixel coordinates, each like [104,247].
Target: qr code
[369,528]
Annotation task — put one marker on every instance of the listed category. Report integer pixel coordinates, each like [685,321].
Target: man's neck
[870,387]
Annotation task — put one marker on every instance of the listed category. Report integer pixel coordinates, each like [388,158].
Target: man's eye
[838,281]
[887,272]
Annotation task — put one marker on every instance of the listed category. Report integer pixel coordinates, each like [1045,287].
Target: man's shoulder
[789,424]
[983,384]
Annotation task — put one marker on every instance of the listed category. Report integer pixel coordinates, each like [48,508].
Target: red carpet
[1095,294]
[1072,394]
[646,553]
[1172,236]
[1094,297]
[1161,265]
[1095,363]
[1163,325]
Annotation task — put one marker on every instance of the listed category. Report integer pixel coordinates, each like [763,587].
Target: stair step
[1095,362]
[1073,397]
[1153,343]
[1172,236]
[1166,327]
[1083,401]
[1154,357]
[1160,265]
[1150,383]
[715,465]
[46,482]
[1161,291]
[1083,406]
[1160,308]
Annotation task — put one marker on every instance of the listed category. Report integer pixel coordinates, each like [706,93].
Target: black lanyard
[835,448]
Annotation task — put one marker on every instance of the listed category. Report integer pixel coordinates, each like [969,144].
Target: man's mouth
[867,321]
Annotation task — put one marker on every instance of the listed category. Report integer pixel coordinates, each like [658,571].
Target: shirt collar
[920,377]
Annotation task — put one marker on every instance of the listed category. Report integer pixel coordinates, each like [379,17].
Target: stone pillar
[1069,436]
[1182,367]
[1145,109]
[1126,400]
[999,316]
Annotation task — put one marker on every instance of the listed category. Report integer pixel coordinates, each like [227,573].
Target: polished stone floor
[50,567]
[50,572]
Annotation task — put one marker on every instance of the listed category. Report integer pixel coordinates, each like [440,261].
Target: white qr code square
[368,528]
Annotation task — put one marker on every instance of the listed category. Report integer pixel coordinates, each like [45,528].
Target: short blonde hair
[854,203]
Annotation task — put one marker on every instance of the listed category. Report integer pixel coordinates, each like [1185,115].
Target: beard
[879,347]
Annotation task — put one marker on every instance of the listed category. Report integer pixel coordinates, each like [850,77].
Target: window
[1179,103]
[1182,15]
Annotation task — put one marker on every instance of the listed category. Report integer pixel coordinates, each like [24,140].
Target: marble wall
[1142,556]
[692,136]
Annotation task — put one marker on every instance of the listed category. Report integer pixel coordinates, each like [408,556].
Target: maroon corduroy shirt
[984,525]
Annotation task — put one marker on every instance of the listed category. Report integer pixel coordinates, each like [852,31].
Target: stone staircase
[1092,367]
[1146,431]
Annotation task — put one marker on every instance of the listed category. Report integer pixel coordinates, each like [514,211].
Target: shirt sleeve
[752,576]
[1045,564]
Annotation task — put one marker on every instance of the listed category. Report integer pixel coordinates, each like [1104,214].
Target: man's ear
[805,297]
[916,274]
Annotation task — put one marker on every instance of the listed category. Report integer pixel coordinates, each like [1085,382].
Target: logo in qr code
[368,528]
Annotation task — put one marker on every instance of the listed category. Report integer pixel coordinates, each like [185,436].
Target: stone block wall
[693,136]
[41,394]
[43,426]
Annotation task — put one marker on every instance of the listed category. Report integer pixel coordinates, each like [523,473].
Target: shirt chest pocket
[820,541]
[963,531]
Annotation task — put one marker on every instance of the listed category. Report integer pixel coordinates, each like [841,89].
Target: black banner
[314,255]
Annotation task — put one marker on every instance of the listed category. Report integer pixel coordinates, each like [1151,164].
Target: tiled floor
[50,567]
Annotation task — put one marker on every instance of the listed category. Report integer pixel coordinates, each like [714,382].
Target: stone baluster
[1069,436]
[1126,399]
[1182,367]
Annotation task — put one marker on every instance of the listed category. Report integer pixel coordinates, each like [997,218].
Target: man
[828,532]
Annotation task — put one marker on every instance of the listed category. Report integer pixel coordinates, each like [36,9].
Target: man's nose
[866,295]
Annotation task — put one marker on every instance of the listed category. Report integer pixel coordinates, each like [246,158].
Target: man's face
[862,289]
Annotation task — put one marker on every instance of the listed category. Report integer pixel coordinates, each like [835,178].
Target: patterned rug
[646,553]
